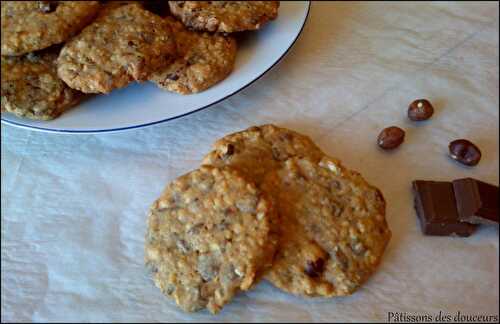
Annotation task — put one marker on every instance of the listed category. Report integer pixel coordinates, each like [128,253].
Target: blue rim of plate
[52,130]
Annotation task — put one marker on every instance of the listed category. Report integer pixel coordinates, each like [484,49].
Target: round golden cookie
[259,150]
[31,88]
[204,60]
[224,16]
[208,238]
[125,44]
[29,26]
[333,228]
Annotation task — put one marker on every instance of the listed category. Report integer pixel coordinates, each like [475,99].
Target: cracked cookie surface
[29,26]
[31,88]
[208,237]
[333,228]
[224,16]
[124,45]
[204,60]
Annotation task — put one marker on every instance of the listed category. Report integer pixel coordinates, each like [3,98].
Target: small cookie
[333,228]
[258,150]
[204,59]
[208,237]
[29,26]
[126,44]
[31,88]
[225,16]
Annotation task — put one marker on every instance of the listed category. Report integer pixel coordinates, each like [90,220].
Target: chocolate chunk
[315,268]
[477,201]
[172,76]
[47,6]
[437,210]
[229,149]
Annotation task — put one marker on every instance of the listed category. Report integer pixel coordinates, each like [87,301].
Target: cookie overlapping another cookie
[126,44]
[203,60]
[331,221]
[209,236]
[325,222]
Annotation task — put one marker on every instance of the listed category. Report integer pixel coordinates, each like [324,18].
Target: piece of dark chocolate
[477,201]
[437,210]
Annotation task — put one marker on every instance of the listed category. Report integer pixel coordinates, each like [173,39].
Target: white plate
[144,104]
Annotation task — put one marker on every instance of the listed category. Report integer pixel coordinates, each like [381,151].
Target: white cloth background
[74,206]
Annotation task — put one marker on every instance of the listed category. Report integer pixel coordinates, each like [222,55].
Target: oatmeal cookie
[258,150]
[208,237]
[29,26]
[224,16]
[333,228]
[204,59]
[126,44]
[30,87]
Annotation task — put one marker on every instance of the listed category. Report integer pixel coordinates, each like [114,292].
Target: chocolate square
[477,201]
[437,209]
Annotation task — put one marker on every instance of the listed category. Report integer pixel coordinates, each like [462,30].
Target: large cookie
[208,237]
[260,149]
[204,59]
[29,26]
[333,228]
[126,44]
[224,16]
[31,88]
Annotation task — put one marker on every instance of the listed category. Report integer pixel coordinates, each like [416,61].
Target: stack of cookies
[54,53]
[266,203]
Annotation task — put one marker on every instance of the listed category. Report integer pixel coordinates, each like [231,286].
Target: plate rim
[126,128]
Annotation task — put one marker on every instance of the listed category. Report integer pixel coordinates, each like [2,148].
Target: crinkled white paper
[74,206]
